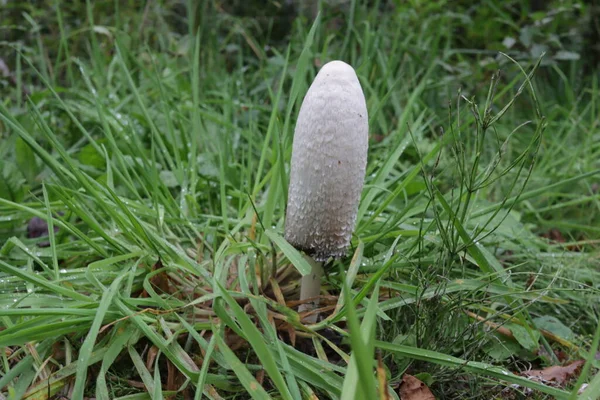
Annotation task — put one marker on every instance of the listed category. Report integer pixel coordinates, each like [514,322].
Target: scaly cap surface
[329,158]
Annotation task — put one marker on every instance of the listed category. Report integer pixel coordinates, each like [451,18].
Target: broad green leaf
[555,326]
[524,338]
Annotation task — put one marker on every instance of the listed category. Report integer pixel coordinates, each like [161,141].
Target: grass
[155,143]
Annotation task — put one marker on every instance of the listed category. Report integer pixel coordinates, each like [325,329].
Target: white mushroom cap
[329,159]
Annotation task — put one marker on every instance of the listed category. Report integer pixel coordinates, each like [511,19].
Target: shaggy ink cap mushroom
[329,158]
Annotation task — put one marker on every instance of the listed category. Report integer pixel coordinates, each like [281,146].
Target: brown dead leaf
[276,289]
[174,377]
[136,384]
[554,235]
[252,233]
[384,394]
[233,341]
[151,357]
[260,376]
[292,334]
[412,388]
[561,356]
[557,374]
[212,391]
[160,280]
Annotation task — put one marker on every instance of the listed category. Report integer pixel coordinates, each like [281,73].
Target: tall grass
[162,160]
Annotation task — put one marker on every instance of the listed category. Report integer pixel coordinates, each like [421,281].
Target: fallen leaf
[556,374]
[412,388]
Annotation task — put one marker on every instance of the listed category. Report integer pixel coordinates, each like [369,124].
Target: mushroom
[329,158]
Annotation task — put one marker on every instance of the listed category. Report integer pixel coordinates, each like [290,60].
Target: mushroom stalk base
[310,287]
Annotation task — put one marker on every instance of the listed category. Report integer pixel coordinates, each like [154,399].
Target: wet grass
[155,144]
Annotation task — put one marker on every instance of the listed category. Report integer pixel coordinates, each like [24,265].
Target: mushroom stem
[310,287]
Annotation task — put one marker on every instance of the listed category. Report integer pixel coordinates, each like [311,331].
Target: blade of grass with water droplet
[85,352]
[359,376]
[122,333]
[474,367]
[256,340]
[254,389]
[38,281]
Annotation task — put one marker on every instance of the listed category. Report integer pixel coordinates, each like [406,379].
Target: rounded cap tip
[337,65]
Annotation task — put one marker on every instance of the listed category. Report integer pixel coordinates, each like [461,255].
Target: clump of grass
[163,168]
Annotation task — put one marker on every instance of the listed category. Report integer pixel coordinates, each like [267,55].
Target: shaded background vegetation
[414,58]
[244,35]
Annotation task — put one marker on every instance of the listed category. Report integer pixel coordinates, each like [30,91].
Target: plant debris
[412,388]
[555,375]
